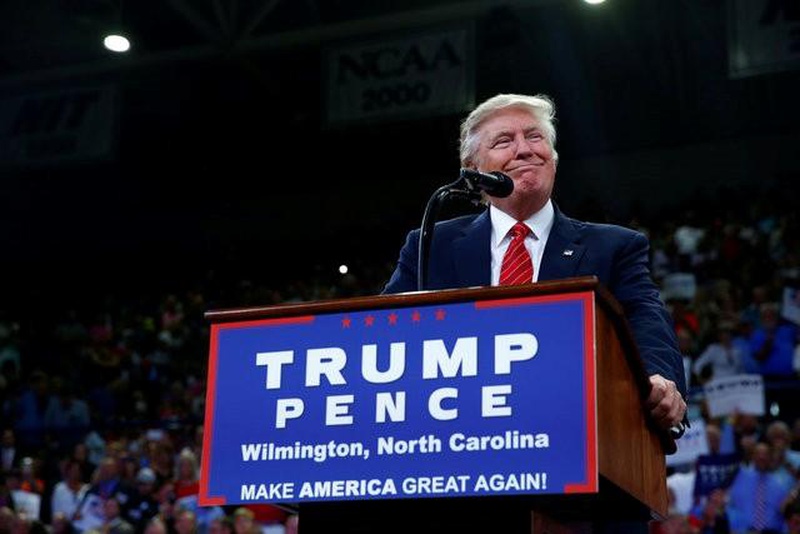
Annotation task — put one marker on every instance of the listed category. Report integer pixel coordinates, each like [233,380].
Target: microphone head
[504,187]
[493,183]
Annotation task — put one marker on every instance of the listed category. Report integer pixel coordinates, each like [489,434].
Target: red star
[393,318]
[440,313]
[368,320]
[346,322]
[415,317]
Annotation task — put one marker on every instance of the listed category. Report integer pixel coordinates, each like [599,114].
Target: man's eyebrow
[500,133]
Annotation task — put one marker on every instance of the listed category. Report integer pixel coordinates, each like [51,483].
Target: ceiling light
[117,43]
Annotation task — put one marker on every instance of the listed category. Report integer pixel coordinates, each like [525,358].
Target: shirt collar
[540,222]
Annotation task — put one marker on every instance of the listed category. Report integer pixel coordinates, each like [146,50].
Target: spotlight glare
[117,43]
[594,2]
[343,269]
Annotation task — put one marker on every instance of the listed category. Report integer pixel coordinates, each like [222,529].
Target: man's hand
[665,403]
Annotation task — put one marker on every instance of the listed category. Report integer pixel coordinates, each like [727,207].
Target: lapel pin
[568,252]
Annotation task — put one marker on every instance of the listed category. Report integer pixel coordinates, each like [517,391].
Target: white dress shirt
[540,224]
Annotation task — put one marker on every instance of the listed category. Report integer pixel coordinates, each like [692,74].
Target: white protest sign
[738,393]
[26,502]
[681,286]
[790,307]
[692,444]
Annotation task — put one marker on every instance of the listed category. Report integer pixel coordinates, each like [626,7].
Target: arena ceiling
[218,135]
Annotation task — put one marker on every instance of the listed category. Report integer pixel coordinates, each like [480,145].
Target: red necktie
[517,265]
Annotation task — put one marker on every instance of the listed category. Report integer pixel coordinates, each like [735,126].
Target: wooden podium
[630,462]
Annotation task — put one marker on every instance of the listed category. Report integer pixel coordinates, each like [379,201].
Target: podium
[525,404]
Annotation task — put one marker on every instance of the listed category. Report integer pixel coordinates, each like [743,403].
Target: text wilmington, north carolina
[389,445]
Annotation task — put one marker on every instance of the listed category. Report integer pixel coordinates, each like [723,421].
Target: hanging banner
[764,36]
[415,76]
[76,124]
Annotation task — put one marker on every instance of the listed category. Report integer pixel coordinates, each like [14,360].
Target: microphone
[494,183]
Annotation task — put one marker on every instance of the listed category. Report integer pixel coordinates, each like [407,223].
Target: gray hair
[540,106]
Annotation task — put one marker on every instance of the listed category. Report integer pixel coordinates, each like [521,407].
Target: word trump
[326,367]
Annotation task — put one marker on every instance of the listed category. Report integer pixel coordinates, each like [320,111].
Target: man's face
[714,437]
[111,508]
[513,142]
[185,523]
[242,524]
[761,457]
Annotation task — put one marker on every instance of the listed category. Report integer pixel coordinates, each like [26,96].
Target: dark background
[224,163]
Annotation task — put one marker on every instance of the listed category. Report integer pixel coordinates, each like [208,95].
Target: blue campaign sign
[447,400]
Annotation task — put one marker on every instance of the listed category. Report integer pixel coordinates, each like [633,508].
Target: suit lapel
[471,253]
[563,251]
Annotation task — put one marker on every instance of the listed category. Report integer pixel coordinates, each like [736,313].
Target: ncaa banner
[416,76]
[763,37]
[493,397]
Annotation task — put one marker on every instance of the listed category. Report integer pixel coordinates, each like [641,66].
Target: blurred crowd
[730,276]
[102,403]
[102,407]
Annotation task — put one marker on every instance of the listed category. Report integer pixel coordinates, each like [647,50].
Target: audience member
[757,494]
[70,490]
[721,358]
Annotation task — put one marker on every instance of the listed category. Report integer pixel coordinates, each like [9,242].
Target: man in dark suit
[514,134]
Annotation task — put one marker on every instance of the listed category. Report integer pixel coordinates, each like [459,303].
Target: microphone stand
[458,189]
